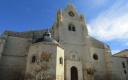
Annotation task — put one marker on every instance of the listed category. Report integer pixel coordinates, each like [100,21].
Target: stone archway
[74,73]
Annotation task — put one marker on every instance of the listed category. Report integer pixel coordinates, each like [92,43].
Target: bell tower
[70,31]
[70,27]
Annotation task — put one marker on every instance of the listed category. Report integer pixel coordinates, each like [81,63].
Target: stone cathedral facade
[64,52]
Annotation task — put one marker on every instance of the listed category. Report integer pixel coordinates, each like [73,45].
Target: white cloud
[112,24]
[115,51]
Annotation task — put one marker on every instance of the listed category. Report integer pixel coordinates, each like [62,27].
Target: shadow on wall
[11,75]
[105,77]
[18,76]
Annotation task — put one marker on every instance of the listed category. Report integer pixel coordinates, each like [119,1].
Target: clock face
[71,14]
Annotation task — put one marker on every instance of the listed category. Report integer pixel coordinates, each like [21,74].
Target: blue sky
[107,20]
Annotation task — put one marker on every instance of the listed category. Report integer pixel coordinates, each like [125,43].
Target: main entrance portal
[74,73]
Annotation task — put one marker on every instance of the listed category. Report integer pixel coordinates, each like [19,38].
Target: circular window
[71,14]
[95,57]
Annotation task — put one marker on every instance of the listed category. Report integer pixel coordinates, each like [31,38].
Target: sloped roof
[96,43]
[26,34]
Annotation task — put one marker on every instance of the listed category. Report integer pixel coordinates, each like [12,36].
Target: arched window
[95,56]
[71,27]
[61,60]
[123,64]
[125,72]
[33,59]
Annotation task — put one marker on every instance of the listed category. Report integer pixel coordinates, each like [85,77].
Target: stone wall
[99,64]
[60,67]
[118,70]
[2,43]
[46,65]
[13,60]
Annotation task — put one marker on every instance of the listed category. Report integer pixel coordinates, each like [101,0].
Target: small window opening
[123,64]
[125,72]
[33,59]
[95,57]
[69,28]
[61,60]
[73,29]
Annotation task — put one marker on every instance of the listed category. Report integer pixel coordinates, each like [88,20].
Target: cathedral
[64,52]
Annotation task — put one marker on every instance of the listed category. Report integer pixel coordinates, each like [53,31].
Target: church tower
[69,26]
[70,31]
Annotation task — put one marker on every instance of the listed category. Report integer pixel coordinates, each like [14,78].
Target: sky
[107,20]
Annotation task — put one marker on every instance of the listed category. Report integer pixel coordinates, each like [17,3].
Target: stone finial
[82,18]
[59,15]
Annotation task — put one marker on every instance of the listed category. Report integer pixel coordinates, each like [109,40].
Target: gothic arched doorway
[74,73]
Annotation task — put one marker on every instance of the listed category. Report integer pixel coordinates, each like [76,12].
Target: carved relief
[90,71]
[74,56]
[44,76]
[45,56]
[41,67]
